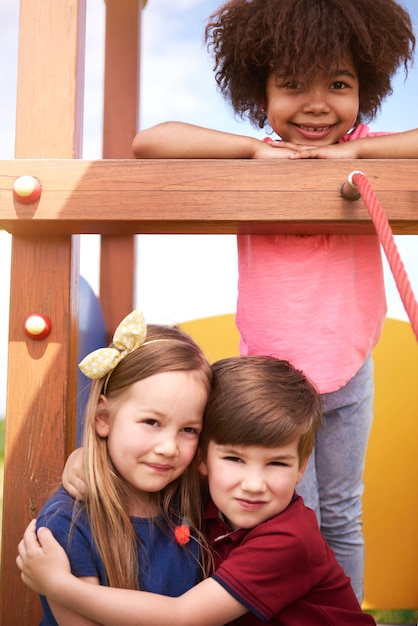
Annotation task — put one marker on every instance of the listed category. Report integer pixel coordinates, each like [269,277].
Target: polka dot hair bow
[129,335]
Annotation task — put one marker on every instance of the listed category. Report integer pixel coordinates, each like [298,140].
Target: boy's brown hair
[261,401]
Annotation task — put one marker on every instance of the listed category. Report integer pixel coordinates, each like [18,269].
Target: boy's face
[314,114]
[251,484]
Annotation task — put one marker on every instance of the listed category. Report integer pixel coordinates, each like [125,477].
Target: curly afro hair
[250,39]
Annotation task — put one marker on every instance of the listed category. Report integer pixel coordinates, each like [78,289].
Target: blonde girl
[139,527]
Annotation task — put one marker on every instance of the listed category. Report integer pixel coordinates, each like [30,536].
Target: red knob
[27,189]
[37,326]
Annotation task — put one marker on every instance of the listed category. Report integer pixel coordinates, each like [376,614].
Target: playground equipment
[118,197]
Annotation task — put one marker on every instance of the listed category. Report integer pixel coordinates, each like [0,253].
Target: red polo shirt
[283,571]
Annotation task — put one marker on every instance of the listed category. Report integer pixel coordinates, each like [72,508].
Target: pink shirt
[317,301]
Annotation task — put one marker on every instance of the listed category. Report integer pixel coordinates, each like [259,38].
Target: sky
[185,277]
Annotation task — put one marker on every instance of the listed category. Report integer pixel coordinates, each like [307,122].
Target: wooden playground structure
[119,197]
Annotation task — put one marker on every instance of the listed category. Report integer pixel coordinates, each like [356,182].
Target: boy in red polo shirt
[271,563]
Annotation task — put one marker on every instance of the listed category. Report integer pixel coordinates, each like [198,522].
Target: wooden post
[40,412]
[121,97]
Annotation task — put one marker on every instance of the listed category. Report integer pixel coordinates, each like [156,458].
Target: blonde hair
[166,349]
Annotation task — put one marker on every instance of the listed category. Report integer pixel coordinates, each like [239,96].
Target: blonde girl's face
[153,432]
[315,114]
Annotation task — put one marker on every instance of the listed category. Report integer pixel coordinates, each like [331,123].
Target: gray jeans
[333,481]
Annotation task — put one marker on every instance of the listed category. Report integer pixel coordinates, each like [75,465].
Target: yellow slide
[391,477]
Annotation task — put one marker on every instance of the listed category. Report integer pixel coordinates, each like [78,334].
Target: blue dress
[165,567]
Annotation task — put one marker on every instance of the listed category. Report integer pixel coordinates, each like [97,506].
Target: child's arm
[72,475]
[67,617]
[45,569]
[178,140]
[392,146]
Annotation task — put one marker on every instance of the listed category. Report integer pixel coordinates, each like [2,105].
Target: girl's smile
[159,468]
[313,132]
[318,113]
[153,432]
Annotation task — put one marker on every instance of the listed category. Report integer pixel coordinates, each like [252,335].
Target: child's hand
[41,560]
[72,476]
[346,150]
[276,150]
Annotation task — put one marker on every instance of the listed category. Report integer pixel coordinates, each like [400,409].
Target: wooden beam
[42,377]
[121,77]
[120,116]
[117,279]
[41,392]
[50,78]
[122,197]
